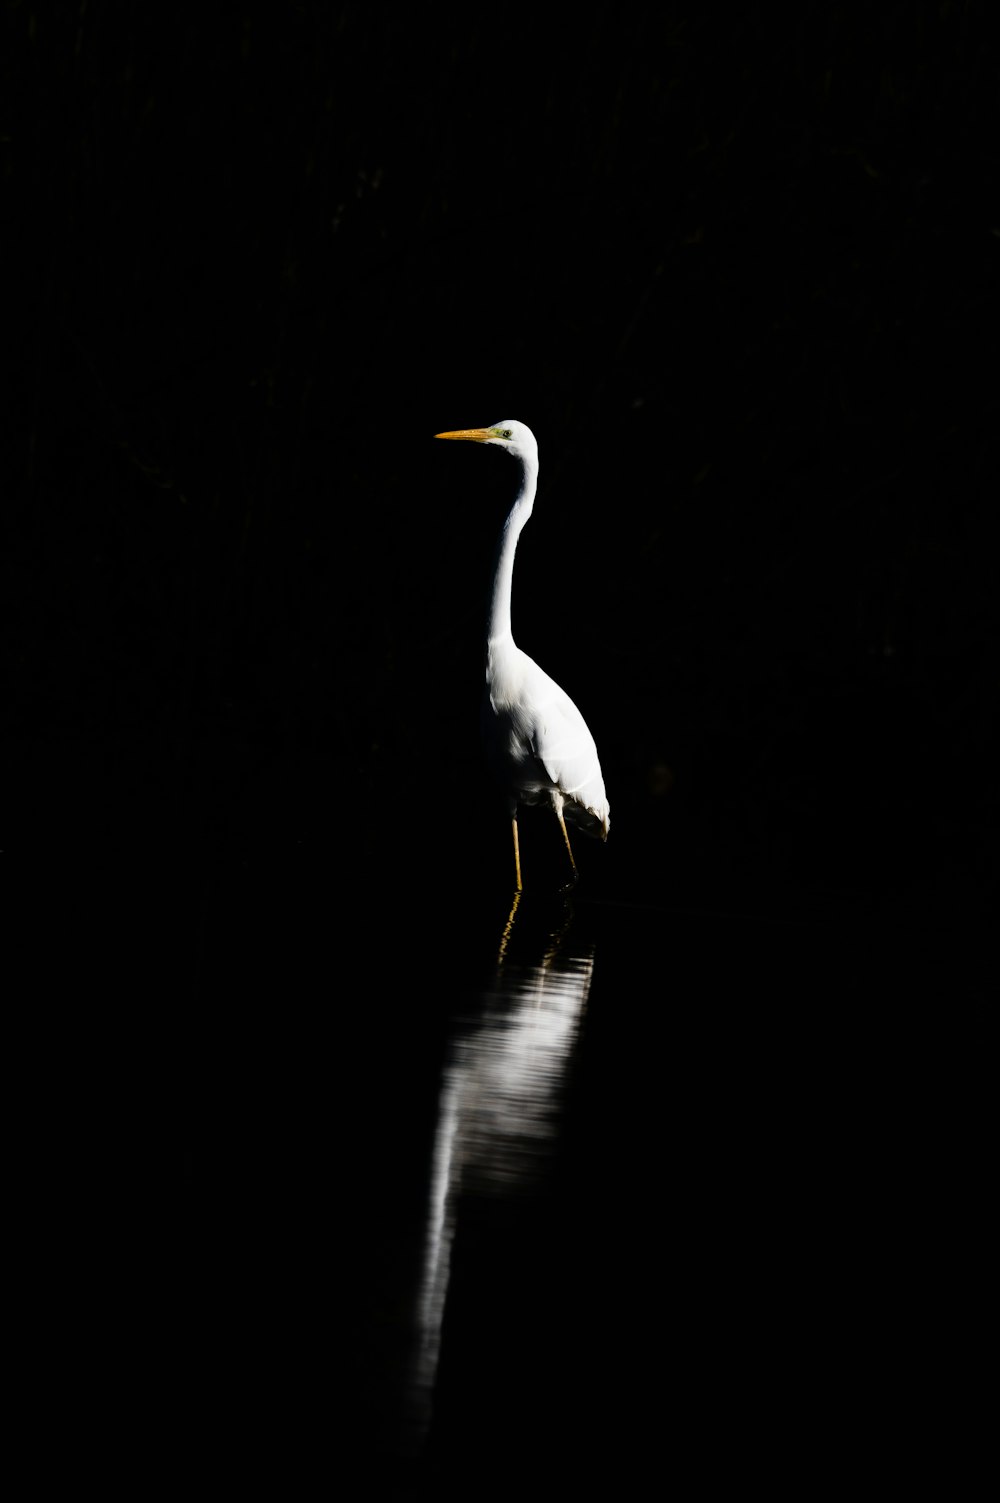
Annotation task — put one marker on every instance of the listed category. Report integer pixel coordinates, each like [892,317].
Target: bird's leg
[562,826]
[517,854]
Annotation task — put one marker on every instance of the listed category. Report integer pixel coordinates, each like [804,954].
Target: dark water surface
[394,1182]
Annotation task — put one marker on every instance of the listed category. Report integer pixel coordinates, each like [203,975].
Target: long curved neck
[498,628]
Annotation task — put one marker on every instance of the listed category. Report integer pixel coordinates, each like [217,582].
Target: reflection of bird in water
[499,1112]
[537,742]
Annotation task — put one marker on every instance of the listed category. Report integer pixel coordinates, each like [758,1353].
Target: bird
[538,744]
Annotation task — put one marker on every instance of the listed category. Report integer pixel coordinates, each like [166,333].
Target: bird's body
[537,742]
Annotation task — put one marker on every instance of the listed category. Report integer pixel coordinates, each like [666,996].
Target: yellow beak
[478,435]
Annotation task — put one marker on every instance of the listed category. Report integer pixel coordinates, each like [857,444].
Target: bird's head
[515,437]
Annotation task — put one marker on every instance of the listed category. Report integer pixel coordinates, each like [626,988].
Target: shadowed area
[327,1144]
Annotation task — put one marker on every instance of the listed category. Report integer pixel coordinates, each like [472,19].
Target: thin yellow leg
[517,854]
[562,826]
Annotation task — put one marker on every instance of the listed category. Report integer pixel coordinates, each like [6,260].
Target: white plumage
[537,742]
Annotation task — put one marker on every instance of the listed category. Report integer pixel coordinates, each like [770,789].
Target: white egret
[537,742]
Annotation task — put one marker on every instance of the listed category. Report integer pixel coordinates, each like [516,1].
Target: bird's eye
[505,433]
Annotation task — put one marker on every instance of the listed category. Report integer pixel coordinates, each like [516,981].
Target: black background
[739,275]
